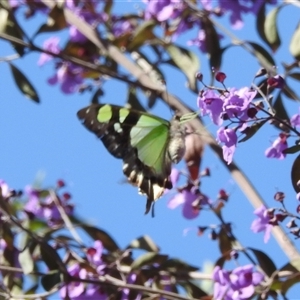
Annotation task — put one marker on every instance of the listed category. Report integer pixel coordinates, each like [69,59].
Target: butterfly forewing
[140,139]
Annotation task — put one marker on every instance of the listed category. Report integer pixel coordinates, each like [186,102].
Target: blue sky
[48,139]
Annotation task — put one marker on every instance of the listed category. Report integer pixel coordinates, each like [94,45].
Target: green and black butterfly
[147,144]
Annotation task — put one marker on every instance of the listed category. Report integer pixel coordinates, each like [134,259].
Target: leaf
[263,56]
[264,261]
[280,111]
[292,150]
[187,62]
[24,84]
[10,26]
[50,280]
[133,100]
[148,258]
[101,235]
[250,131]
[260,22]
[290,93]
[212,44]
[26,261]
[225,243]
[288,283]
[56,21]
[108,6]
[193,290]
[295,43]
[295,75]
[295,174]
[292,266]
[174,265]
[144,243]
[51,258]
[271,30]
[142,34]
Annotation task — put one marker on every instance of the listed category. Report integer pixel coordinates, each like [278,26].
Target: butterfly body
[147,144]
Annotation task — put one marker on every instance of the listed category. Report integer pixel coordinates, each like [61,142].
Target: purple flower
[51,45]
[94,256]
[75,288]
[276,82]
[121,27]
[5,190]
[262,222]
[277,148]
[33,205]
[80,291]
[164,9]
[238,284]
[237,103]
[295,120]
[131,278]
[211,104]
[45,209]
[191,201]
[69,76]
[228,137]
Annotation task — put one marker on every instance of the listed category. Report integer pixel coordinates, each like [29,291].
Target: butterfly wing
[140,139]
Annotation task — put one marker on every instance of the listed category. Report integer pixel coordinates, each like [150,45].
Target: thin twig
[65,218]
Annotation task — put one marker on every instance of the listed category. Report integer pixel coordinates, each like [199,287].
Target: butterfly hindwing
[140,139]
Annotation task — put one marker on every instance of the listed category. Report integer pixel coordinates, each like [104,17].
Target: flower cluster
[233,105]
[78,289]
[41,205]
[238,284]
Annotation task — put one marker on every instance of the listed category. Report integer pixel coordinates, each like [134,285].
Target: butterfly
[147,144]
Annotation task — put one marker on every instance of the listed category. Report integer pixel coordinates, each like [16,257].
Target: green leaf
[292,266]
[133,100]
[295,43]
[290,93]
[295,174]
[26,261]
[50,280]
[51,258]
[271,30]
[108,6]
[288,283]
[263,56]
[142,33]
[148,258]
[56,21]
[280,111]
[98,234]
[260,22]
[175,265]
[187,62]
[212,44]
[10,26]
[24,84]
[225,243]
[264,261]
[295,75]
[292,150]
[193,290]
[250,131]
[144,243]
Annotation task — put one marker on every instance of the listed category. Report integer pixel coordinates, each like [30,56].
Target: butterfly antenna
[164,83]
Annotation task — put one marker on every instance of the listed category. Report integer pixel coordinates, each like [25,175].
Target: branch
[145,81]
